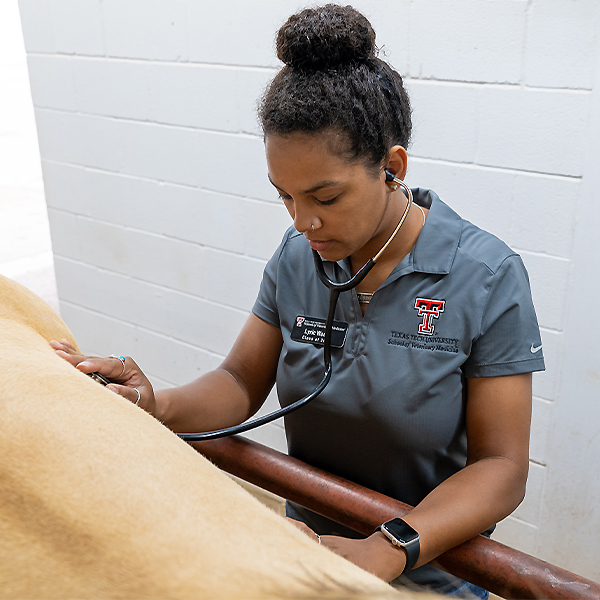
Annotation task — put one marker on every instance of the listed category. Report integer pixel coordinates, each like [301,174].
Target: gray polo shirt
[393,415]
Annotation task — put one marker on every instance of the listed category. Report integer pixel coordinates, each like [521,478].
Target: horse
[99,500]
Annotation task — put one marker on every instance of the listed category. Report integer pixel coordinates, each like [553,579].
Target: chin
[331,256]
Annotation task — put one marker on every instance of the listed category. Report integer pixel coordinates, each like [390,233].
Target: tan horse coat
[99,500]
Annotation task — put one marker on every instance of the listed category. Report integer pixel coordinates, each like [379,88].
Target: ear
[397,161]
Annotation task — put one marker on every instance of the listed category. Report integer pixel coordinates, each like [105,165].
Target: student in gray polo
[430,397]
[392,416]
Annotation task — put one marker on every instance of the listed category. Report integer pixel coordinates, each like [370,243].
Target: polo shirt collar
[436,245]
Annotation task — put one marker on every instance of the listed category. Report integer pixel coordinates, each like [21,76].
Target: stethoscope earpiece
[389,177]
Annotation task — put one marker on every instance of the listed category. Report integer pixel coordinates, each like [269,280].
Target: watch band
[401,534]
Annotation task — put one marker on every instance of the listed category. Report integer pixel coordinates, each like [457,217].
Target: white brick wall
[541,121]
[162,216]
[561,45]
[480,41]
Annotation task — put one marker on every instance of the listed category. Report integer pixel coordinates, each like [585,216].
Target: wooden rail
[484,562]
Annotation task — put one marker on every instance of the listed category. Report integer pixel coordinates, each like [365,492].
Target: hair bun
[325,37]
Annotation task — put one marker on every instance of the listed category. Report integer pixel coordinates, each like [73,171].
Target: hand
[304,528]
[123,382]
[374,554]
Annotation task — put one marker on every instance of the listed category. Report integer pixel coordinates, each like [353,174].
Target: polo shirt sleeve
[265,307]
[509,339]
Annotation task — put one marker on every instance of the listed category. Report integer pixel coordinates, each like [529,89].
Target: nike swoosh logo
[535,349]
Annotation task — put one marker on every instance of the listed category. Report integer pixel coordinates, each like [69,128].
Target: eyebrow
[315,188]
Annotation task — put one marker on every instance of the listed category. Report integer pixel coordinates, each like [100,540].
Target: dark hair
[333,80]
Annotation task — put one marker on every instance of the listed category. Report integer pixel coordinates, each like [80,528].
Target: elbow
[510,478]
[517,486]
[522,485]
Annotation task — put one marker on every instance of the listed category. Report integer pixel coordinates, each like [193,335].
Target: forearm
[213,401]
[459,509]
[492,484]
[467,504]
[488,489]
[230,394]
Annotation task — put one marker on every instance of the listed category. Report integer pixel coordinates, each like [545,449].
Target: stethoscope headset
[335,289]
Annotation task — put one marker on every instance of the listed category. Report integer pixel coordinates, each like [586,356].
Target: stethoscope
[335,289]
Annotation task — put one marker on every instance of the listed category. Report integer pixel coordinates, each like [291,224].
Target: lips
[320,245]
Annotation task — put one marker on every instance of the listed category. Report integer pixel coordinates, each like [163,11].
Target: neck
[402,243]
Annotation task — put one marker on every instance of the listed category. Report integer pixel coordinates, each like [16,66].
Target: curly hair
[334,81]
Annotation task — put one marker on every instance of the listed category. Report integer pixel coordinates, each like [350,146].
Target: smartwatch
[401,534]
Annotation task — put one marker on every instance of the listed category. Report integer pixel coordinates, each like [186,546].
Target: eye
[285,198]
[327,202]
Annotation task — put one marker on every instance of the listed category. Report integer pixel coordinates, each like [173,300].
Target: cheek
[364,212]
[365,218]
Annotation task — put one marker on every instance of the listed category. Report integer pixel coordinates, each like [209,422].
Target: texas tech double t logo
[429,310]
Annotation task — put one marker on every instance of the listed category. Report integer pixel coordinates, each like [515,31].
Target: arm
[488,489]
[231,393]
[224,397]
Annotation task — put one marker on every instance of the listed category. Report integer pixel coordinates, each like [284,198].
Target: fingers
[132,394]
[142,395]
[69,357]
[126,378]
[66,351]
[63,345]
[73,359]
[112,368]
[115,368]
[68,345]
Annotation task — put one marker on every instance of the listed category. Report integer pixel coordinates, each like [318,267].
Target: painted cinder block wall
[162,217]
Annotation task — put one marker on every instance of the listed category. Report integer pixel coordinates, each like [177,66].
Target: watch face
[402,531]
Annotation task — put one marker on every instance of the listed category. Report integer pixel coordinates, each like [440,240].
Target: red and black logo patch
[429,310]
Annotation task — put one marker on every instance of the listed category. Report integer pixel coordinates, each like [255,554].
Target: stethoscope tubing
[219,433]
[335,289]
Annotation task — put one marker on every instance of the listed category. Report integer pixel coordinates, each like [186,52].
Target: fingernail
[84,363]
[112,389]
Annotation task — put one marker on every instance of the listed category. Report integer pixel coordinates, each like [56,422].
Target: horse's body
[98,499]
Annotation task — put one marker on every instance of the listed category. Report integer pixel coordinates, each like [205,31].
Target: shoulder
[484,248]
[451,244]
[488,282]
[486,260]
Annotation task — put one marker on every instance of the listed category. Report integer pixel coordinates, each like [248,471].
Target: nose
[303,218]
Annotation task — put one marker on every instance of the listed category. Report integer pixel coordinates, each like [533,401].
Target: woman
[430,400]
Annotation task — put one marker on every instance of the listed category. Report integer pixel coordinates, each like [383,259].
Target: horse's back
[98,499]
[21,305]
